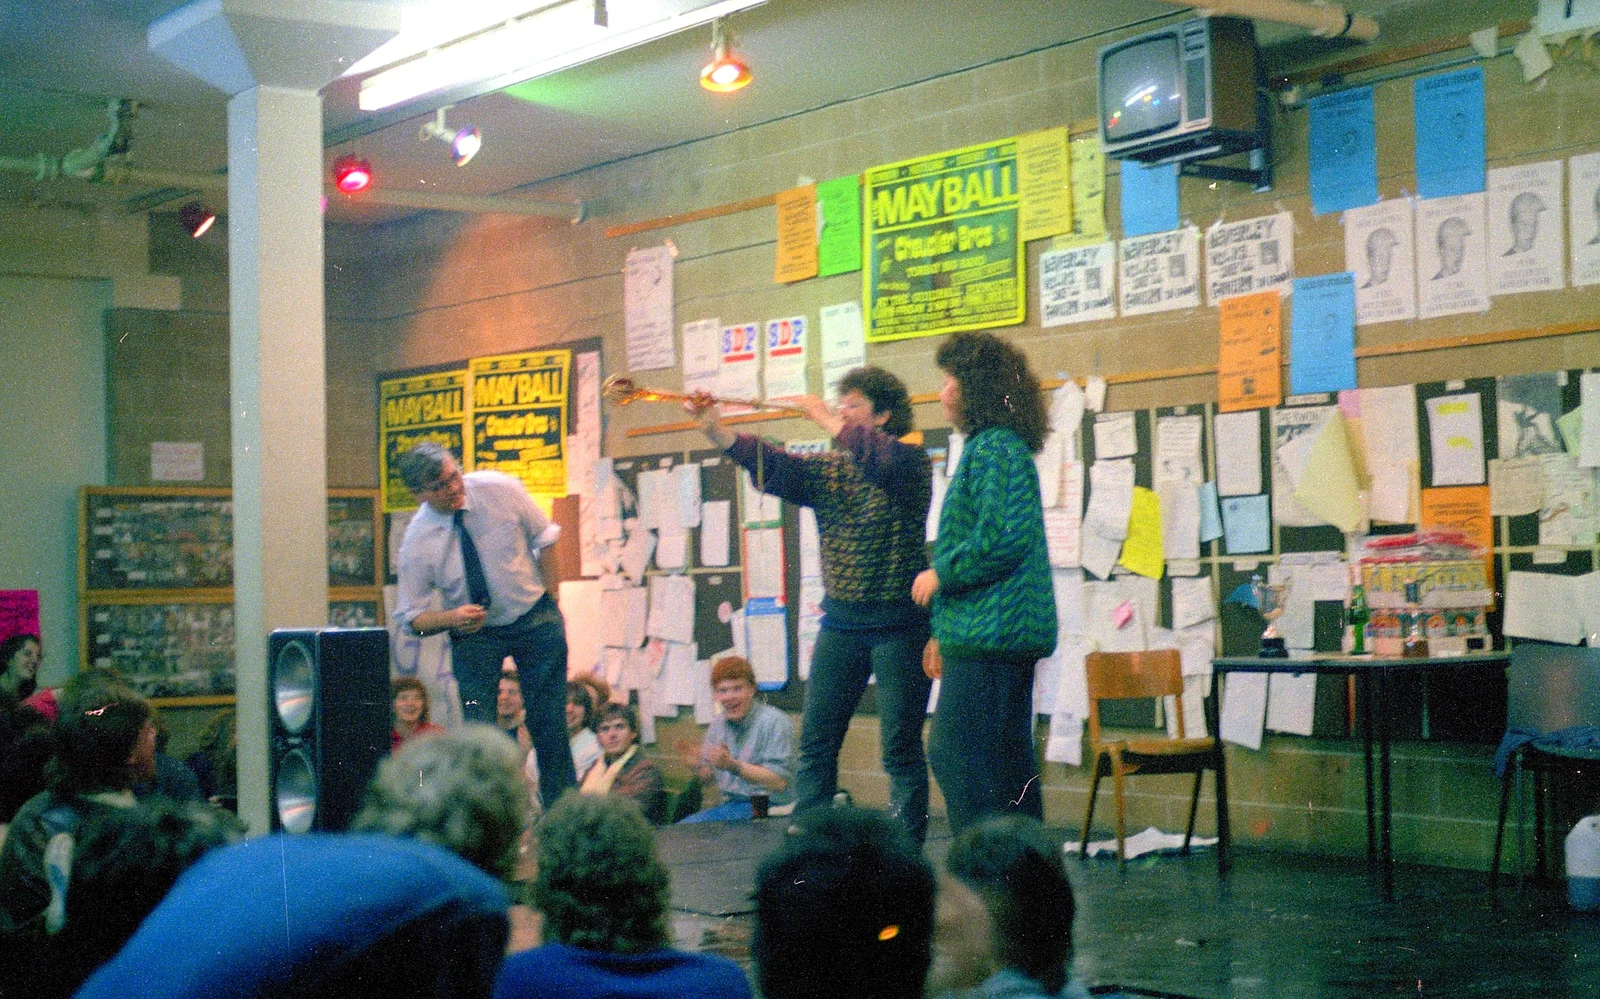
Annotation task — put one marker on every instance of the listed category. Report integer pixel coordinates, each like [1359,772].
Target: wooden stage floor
[1282,924]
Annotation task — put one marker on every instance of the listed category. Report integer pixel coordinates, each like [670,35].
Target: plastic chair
[1123,675]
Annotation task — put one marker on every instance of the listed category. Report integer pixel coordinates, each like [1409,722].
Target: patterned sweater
[995,597]
[871,498]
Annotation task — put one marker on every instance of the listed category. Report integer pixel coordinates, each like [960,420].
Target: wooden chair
[1121,675]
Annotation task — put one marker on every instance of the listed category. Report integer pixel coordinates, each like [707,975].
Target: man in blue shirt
[475,542]
[748,750]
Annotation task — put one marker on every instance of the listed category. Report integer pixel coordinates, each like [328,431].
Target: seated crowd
[109,893]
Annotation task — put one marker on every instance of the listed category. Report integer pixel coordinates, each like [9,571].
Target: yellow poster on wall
[797,234]
[940,244]
[413,409]
[1044,183]
[519,417]
[1088,195]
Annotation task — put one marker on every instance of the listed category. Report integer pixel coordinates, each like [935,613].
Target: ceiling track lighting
[351,173]
[196,218]
[464,143]
[727,71]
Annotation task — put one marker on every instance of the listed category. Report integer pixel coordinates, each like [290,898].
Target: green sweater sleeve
[1001,492]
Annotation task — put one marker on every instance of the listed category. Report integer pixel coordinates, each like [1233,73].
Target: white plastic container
[1583,864]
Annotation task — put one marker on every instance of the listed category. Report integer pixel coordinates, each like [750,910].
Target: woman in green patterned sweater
[994,613]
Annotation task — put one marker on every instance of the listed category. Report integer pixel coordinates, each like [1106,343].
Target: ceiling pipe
[118,172]
[1322,20]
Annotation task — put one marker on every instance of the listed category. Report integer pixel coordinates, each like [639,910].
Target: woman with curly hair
[604,895]
[994,613]
[409,700]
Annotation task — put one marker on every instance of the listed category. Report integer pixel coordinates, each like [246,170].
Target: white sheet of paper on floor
[686,488]
[579,600]
[715,516]
[763,562]
[1244,709]
[1291,702]
[1238,453]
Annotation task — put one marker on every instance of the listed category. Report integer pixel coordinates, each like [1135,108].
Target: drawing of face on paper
[1377,247]
[1525,228]
[1452,276]
[1583,176]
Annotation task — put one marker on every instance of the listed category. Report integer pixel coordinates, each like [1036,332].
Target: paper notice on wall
[1379,251]
[1525,222]
[1193,601]
[1244,709]
[1141,550]
[1455,439]
[1291,702]
[1516,486]
[1325,480]
[702,355]
[1288,424]
[1077,285]
[786,357]
[1238,453]
[1250,352]
[1044,184]
[579,600]
[1255,255]
[1246,527]
[623,615]
[1452,272]
[796,257]
[1159,272]
[714,518]
[1571,511]
[1177,475]
[843,345]
[1589,442]
[671,608]
[1583,179]
[1061,530]
[1114,436]
[1539,606]
[1527,408]
[1389,444]
[177,461]
[763,563]
[1088,192]
[647,307]
[759,507]
[766,631]
[1047,461]
[739,366]
[1105,523]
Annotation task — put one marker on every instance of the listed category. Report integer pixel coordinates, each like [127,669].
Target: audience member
[410,703]
[216,762]
[409,905]
[624,769]
[844,908]
[121,863]
[582,704]
[1017,871]
[509,715]
[104,740]
[19,667]
[26,746]
[748,749]
[604,895]
[171,779]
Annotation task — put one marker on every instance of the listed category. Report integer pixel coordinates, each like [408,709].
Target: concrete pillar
[280,525]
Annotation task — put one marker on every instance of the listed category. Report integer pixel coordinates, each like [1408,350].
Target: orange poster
[1465,508]
[797,234]
[1250,359]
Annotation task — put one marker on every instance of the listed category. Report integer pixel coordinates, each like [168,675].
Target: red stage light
[351,173]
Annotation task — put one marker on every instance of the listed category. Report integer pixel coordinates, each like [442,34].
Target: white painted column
[279,419]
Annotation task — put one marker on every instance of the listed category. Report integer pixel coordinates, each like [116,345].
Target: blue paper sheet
[1322,334]
[1344,151]
[1149,198]
[1448,110]
[1210,515]
[1246,523]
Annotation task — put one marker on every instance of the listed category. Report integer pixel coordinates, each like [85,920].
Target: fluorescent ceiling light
[541,41]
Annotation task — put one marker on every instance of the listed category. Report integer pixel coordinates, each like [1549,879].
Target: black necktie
[477,586]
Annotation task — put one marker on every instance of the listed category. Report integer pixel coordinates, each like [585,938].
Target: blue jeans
[981,746]
[840,666]
[732,810]
[538,643]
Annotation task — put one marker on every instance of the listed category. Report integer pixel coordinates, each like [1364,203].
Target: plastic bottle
[1358,615]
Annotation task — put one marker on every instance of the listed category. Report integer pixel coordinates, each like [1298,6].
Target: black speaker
[329,692]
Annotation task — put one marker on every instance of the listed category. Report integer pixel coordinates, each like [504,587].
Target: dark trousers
[840,666]
[538,642]
[981,746]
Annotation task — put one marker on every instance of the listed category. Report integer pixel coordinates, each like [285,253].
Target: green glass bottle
[1358,615]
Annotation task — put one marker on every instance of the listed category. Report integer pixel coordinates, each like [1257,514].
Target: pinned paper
[1088,193]
[1238,453]
[1526,245]
[1141,552]
[1583,221]
[797,234]
[1044,184]
[1343,151]
[1589,445]
[1532,56]
[1327,486]
[1465,509]
[1094,393]
[1122,614]
[1248,372]
[1448,112]
[1455,436]
[1379,251]
[647,308]
[1452,268]
[839,205]
[1149,198]
[843,345]
[1210,512]
[1245,524]
[1322,334]
[1516,486]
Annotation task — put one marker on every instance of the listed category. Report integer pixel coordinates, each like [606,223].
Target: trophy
[1272,599]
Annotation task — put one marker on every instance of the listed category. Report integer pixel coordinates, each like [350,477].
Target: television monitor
[1191,90]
